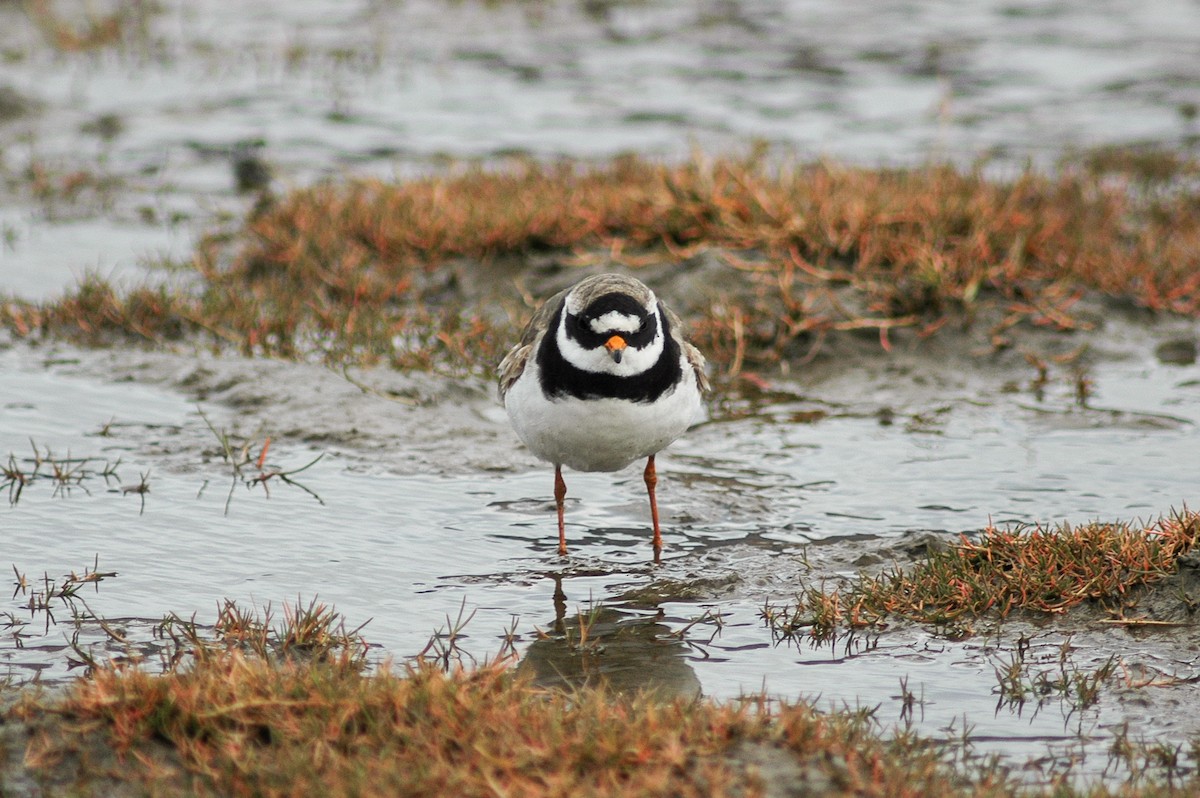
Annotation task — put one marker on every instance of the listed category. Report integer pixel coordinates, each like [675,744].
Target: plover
[602,377]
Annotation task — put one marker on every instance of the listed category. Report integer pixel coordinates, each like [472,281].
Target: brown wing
[514,362]
[694,358]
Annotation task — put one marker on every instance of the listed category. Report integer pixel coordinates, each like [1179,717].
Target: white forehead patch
[615,321]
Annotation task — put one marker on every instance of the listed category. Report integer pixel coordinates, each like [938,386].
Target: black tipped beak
[615,346]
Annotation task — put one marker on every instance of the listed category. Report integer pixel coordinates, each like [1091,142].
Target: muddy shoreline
[386,420]
[383,421]
[398,418]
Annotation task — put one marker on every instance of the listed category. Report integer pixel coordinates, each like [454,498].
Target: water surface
[755,506]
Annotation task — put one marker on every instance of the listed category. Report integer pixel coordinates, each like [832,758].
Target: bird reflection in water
[618,650]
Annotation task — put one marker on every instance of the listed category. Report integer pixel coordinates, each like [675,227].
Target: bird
[602,377]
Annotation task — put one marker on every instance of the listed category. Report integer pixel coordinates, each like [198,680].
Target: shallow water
[754,505]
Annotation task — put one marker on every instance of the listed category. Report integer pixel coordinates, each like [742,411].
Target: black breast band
[561,379]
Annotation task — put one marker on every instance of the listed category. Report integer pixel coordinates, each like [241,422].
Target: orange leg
[651,477]
[560,493]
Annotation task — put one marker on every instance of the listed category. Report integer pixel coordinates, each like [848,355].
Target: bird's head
[611,324]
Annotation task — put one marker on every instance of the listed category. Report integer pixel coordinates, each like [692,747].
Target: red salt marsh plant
[85,28]
[424,272]
[1033,569]
[64,472]
[254,708]
[239,725]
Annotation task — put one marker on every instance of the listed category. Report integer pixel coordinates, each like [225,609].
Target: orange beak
[615,346]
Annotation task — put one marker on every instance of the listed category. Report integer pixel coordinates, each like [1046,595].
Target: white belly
[599,434]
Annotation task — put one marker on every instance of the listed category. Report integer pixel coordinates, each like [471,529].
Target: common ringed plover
[602,377]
